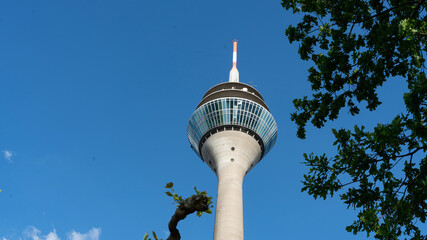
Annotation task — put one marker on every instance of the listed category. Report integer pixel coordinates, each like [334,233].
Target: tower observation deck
[231,130]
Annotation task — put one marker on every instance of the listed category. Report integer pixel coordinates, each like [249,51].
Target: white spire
[234,74]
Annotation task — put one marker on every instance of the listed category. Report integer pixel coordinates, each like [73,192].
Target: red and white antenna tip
[234,74]
[234,53]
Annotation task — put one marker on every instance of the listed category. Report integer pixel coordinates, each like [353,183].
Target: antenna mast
[234,74]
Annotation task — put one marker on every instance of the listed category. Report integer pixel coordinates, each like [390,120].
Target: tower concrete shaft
[232,154]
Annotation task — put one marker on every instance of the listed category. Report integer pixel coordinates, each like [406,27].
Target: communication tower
[231,130]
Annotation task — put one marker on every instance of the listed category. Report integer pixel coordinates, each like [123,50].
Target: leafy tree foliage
[199,203]
[355,46]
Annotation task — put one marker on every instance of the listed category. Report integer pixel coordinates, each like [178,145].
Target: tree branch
[351,29]
[373,159]
[190,205]
[343,185]
[410,153]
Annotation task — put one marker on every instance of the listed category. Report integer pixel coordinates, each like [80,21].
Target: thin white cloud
[8,155]
[93,234]
[32,233]
[52,236]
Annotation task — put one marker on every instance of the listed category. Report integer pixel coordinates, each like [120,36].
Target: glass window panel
[200,118]
[228,113]
[210,107]
[212,103]
[208,122]
[197,115]
[261,118]
[250,106]
[218,112]
[262,129]
[251,122]
[208,115]
[248,119]
[263,115]
[270,120]
[243,118]
[218,117]
[255,122]
[239,115]
[256,110]
[213,121]
[221,114]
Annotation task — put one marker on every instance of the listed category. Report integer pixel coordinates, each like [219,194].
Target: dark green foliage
[179,200]
[355,46]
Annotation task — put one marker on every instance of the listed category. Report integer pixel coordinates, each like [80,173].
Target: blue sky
[95,99]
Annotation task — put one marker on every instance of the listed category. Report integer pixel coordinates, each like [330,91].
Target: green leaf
[145,236]
[209,211]
[169,185]
[155,236]
[197,191]
[169,194]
